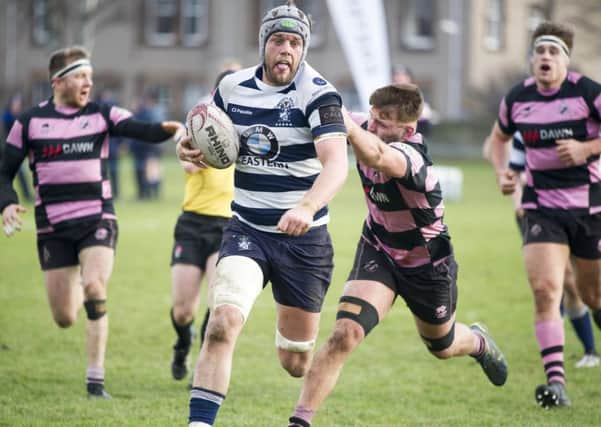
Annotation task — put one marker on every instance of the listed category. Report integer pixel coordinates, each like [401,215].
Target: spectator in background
[107,97]
[13,109]
[146,157]
[402,74]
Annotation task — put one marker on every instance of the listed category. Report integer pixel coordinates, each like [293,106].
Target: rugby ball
[213,133]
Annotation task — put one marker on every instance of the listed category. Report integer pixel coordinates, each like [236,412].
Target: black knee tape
[442,343]
[95,308]
[358,310]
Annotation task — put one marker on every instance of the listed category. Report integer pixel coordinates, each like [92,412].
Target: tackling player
[404,250]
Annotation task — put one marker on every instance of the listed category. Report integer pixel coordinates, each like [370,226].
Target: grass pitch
[391,380]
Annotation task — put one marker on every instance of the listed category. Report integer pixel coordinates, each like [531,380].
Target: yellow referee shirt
[210,192]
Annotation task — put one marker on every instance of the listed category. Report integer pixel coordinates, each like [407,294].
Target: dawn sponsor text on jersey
[535,135]
[53,150]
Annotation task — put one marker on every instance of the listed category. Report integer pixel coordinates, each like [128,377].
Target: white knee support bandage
[238,282]
[295,346]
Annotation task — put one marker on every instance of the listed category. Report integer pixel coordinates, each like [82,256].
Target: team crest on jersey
[84,123]
[563,108]
[45,128]
[285,106]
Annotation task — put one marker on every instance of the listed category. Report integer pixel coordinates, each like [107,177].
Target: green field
[391,380]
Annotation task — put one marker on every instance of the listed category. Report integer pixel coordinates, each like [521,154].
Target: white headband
[552,40]
[71,68]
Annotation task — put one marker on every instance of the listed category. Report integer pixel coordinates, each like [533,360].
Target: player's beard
[277,78]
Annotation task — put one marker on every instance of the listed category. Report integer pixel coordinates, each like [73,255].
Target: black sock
[184,334]
[203,328]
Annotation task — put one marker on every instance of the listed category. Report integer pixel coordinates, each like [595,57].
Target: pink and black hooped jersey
[405,215]
[68,150]
[572,112]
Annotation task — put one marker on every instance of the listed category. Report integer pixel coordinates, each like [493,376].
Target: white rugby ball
[213,133]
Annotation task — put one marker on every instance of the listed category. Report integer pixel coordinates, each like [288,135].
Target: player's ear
[409,131]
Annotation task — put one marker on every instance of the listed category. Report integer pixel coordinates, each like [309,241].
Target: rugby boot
[297,422]
[179,369]
[552,395]
[492,360]
[589,360]
[96,391]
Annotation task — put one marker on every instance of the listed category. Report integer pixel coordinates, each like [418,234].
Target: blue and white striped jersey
[278,128]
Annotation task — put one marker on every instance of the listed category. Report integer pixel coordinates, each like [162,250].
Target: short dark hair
[62,57]
[403,102]
[548,28]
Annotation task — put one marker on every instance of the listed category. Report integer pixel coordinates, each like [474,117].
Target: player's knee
[94,289]
[64,320]
[296,364]
[95,308]
[441,347]
[358,310]
[543,298]
[238,283]
[222,327]
[346,336]
[183,314]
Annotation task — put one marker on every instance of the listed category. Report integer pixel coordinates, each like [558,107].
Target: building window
[40,90]
[417,26]
[161,20]
[193,94]
[176,22]
[316,9]
[195,22]
[495,25]
[41,22]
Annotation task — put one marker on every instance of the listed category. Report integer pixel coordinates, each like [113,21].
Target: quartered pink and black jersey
[405,215]
[572,112]
[68,150]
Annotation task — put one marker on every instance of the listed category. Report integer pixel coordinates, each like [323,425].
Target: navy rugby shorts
[299,268]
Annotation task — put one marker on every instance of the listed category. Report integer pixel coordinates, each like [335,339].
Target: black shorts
[197,237]
[581,233]
[521,222]
[61,248]
[430,292]
[299,268]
